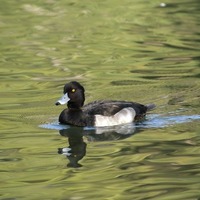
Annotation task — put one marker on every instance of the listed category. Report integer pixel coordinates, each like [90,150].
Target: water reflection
[78,136]
[76,148]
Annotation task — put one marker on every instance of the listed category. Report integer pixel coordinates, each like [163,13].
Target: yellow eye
[73,90]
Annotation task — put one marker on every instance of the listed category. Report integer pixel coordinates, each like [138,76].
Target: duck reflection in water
[78,135]
[77,147]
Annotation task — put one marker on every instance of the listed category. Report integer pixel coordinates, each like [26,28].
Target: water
[142,51]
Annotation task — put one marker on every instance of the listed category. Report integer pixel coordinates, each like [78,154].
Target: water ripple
[152,121]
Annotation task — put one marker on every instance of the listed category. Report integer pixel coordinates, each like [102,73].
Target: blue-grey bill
[63,100]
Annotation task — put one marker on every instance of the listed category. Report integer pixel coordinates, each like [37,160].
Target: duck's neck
[73,106]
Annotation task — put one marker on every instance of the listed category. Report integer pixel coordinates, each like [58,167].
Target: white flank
[124,116]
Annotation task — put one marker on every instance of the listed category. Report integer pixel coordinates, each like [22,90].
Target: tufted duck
[97,113]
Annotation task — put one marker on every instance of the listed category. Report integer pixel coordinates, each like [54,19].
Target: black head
[73,95]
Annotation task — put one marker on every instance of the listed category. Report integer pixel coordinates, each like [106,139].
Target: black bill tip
[57,103]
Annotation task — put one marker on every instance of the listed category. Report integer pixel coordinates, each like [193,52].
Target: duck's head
[73,96]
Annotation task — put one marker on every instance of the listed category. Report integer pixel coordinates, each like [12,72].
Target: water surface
[143,51]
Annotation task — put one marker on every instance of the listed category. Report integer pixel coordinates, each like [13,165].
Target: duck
[99,113]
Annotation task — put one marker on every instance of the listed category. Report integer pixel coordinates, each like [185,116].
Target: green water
[131,50]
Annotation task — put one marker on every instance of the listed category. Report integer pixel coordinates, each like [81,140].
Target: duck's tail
[150,106]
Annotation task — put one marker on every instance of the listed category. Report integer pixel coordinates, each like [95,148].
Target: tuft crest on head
[72,86]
